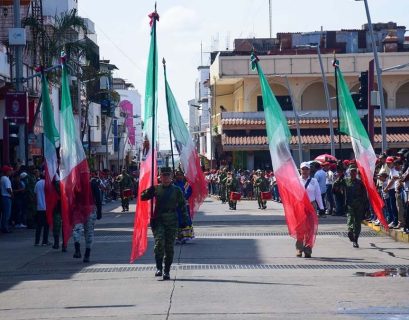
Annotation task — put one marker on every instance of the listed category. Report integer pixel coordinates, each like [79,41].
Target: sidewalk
[395,234]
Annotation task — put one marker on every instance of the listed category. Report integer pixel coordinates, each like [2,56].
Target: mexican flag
[301,218]
[76,197]
[350,124]
[148,168]
[189,158]
[51,136]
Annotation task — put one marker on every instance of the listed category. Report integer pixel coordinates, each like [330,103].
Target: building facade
[239,129]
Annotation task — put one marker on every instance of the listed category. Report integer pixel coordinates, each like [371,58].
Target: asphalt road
[241,265]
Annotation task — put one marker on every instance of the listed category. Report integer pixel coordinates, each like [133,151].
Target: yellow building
[238,126]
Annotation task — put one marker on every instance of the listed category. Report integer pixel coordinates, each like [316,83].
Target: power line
[116,46]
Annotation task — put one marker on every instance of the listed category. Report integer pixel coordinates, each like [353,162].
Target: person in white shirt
[329,182]
[6,198]
[321,177]
[41,220]
[314,194]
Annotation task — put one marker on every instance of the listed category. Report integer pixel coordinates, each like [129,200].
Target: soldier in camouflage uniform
[261,185]
[88,227]
[222,186]
[232,185]
[125,182]
[357,204]
[164,220]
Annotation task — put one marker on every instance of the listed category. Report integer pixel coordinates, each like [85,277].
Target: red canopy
[326,158]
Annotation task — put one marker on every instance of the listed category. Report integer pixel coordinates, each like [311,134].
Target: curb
[396,235]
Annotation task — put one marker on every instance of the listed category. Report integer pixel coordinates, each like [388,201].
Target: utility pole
[22,145]
[371,130]
[379,78]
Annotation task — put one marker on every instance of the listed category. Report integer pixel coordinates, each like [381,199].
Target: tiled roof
[303,121]
[308,139]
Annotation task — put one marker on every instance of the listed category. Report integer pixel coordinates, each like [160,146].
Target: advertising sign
[16,106]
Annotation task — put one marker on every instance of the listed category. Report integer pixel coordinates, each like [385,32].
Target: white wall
[56,7]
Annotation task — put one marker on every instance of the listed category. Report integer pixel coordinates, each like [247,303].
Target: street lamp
[399,66]
[378,76]
[324,80]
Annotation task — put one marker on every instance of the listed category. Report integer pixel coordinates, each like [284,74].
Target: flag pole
[167,108]
[335,64]
[153,106]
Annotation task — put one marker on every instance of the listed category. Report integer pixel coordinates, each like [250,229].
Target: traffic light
[363,90]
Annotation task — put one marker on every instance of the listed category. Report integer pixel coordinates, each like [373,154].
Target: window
[284,101]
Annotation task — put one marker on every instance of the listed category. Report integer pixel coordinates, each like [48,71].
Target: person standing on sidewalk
[394,176]
[339,190]
[357,203]
[314,194]
[41,221]
[321,177]
[164,220]
[6,198]
[329,183]
[88,227]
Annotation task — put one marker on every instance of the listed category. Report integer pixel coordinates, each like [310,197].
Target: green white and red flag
[301,217]
[51,136]
[189,158]
[76,196]
[350,124]
[148,167]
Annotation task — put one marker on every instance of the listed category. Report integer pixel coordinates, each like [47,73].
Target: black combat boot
[87,254]
[77,253]
[166,273]
[56,242]
[159,267]
[355,243]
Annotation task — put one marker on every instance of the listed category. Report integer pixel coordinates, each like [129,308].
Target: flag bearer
[164,220]
[357,203]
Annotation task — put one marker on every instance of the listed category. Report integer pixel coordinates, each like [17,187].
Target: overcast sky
[123,28]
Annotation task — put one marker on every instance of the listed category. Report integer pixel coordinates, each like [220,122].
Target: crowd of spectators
[391,178]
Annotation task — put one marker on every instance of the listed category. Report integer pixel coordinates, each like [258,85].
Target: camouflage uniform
[356,205]
[164,221]
[87,228]
[222,186]
[261,185]
[125,182]
[232,185]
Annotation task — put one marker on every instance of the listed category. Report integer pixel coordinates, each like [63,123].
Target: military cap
[165,170]
[402,151]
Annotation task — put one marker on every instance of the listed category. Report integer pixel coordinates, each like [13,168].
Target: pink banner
[127,108]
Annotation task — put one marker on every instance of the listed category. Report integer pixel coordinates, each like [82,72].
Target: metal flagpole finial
[164,62]
[155,6]
[335,62]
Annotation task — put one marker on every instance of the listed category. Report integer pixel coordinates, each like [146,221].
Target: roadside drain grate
[193,267]
[204,235]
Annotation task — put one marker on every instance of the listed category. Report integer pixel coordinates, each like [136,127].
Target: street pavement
[241,265]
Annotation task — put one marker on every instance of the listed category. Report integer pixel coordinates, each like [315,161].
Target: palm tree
[62,34]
